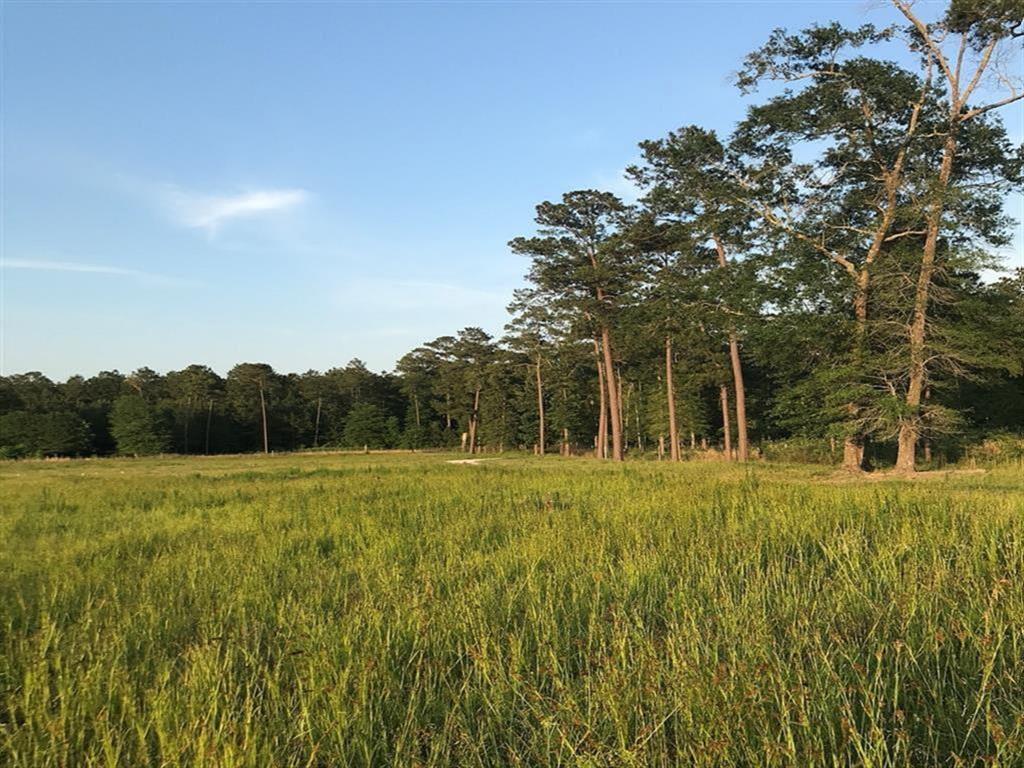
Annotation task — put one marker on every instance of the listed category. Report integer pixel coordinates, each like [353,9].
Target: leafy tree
[56,433]
[367,425]
[578,259]
[469,357]
[192,394]
[974,151]
[252,390]
[138,426]
[530,334]
[93,399]
[690,187]
[855,122]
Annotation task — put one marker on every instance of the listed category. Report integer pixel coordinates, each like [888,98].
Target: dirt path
[474,462]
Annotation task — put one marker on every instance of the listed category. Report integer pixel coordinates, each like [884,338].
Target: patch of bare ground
[846,476]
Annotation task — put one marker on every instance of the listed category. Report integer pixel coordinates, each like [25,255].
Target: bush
[803,450]
[997,449]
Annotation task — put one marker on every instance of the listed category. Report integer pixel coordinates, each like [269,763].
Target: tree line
[812,279]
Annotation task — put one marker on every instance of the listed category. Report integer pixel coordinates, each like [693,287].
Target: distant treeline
[811,280]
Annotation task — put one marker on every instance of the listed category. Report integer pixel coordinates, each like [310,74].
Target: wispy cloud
[74,266]
[208,212]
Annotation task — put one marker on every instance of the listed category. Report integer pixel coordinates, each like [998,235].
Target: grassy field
[399,610]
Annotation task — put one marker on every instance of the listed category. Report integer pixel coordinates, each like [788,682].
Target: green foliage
[998,449]
[23,433]
[983,20]
[139,428]
[367,425]
[803,450]
[577,258]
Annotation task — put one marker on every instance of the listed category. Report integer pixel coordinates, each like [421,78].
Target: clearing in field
[401,610]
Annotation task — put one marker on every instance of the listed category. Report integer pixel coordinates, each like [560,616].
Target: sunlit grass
[397,610]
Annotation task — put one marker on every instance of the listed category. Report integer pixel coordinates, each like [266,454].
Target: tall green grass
[369,610]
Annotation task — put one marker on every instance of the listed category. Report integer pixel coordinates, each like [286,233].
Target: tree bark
[854,444]
[540,408]
[473,419]
[741,397]
[263,410]
[614,404]
[726,426]
[910,428]
[622,403]
[670,393]
[737,371]
[853,453]
[602,419]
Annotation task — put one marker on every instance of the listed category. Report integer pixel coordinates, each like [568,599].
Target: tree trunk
[614,405]
[854,444]
[853,453]
[741,397]
[906,456]
[473,420]
[416,408]
[565,441]
[670,392]
[316,430]
[737,371]
[263,411]
[910,428]
[602,419]
[540,409]
[621,401]
[726,426]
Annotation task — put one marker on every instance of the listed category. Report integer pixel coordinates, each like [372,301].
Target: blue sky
[303,184]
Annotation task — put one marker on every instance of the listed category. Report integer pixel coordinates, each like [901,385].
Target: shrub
[803,450]
[997,449]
